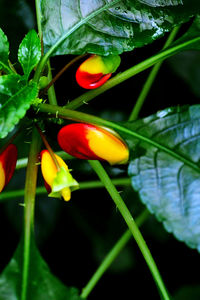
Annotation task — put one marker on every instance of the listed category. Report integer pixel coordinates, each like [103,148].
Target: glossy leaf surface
[29,52]
[167,174]
[42,283]
[4,51]
[110,27]
[15,99]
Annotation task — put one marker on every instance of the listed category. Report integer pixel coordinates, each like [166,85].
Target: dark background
[74,237]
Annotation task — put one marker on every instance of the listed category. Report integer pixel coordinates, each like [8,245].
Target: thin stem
[38,16]
[150,80]
[51,91]
[112,255]
[52,154]
[83,117]
[103,176]
[93,184]
[29,203]
[121,77]
[59,74]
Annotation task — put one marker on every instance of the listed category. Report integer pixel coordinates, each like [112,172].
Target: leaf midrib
[13,96]
[30,52]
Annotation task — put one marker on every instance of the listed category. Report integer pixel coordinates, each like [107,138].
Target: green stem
[83,117]
[67,34]
[132,226]
[51,91]
[112,255]
[150,80]
[121,77]
[29,204]
[38,16]
[94,184]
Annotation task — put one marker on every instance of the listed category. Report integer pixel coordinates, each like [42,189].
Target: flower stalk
[29,205]
[103,176]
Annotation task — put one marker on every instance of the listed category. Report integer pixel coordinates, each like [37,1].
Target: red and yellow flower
[8,159]
[86,141]
[58,179]
[96,70]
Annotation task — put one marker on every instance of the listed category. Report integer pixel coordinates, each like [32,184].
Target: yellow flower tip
[66,194]
[108,145]
[57,182]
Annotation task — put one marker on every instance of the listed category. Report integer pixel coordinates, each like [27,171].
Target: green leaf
[29,52]
[109,27]
[4,52]
[166,172]
[15,99]
[42,284]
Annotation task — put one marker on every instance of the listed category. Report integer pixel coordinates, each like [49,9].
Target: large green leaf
[42,284]
[29,52]
[165,169]
[110,26]
[15,99]
[4,52]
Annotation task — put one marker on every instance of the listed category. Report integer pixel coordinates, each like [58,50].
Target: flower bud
[8,159]
[58,182]
[86,141]
[43,82]
[96,70]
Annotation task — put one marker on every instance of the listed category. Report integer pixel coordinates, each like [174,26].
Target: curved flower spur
[96,70]
[86,141]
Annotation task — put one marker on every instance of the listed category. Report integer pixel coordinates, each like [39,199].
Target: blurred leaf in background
[187,66]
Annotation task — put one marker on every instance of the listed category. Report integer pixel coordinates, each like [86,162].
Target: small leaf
[110,27]
[42,284]
[15,99]
[4,52]
[167,173]
[29,52]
